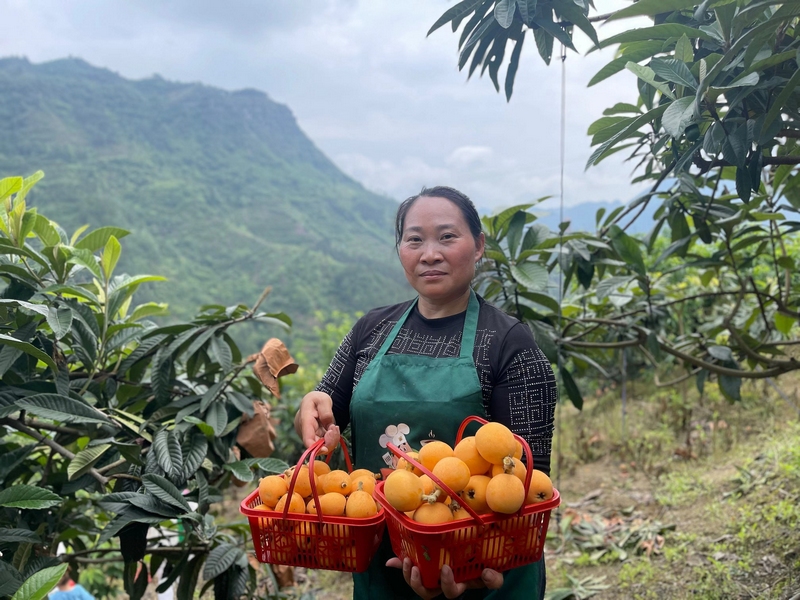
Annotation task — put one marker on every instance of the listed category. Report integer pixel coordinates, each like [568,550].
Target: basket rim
[325,520]
[485,519]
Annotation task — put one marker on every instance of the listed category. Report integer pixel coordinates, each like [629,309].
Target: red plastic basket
[493,541]
[313,541]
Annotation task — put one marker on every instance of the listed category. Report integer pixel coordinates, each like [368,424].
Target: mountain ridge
[223,191]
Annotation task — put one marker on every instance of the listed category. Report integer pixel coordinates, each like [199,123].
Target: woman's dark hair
[463,202]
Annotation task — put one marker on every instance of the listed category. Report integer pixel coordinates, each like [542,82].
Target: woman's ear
[480,246]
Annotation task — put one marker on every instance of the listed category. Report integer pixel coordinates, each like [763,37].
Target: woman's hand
[489,579]
[314,421]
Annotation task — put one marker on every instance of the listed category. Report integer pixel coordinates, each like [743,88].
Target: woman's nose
[431,253]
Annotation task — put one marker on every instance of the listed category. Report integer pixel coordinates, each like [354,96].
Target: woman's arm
[524,394]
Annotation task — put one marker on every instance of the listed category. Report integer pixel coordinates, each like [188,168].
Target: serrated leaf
[454,13]
[85,460]
[628,249]
[678,116]
[207,430]
[149,309]
[674,71]
[168,452]
[60,320]
[531,275]
[610,285]
[85,258]
[61,408]
[222,352]
[647,75]
[163,489]
[38,585]
[99,237]
[10,579]
[220,559]
[240,470]
[13,536]
[193,455]
[504,12]
[30,349]
[211,394]
[28,496]
[153,505]
[651,8]
[217,417]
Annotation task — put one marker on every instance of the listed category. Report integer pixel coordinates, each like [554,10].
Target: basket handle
[436,480]
[311,454]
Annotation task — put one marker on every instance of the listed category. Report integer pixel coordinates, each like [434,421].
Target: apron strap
[467,336]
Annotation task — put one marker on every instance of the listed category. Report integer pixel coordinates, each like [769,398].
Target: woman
[412,372]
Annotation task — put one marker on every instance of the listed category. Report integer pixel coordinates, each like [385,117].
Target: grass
[726,476]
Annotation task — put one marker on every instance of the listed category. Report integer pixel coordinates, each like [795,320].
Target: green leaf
[44,229]
[28,349]
[674,70]
[60,320]
[780,102]
[99,238]
[193,454]
[155,506]
[240,470]
[168,452]
[85,460]
[9,186]
[504,12]
[149,309]
[678,116]
[62,408]
[657,32]
[531,275]
[110,256]
[573,393]
[650,8]
[647,75]
[731,387]
[41,309]
[220,559]
[211,394]
[68,290]
[22,495]
[204,427]
[604,149]
[217,417]
[85,258]
[628,249]
[571,12]
[222,352]
[455,13]
[784,323]
[544,44]
[38,585]
[164,490]
[13,536]
[684,51]
[743,184]
[10,579]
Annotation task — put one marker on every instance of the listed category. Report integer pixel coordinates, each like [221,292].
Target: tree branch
[48,442]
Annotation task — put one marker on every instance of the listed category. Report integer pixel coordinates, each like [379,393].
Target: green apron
[409,400]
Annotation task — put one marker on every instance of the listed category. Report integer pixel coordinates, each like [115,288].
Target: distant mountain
[222,191]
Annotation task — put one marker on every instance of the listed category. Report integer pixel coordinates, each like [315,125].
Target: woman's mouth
[432,274]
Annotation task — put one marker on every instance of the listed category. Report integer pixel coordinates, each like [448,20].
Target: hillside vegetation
[222,191]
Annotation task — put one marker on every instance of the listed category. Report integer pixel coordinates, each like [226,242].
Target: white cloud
[384,101]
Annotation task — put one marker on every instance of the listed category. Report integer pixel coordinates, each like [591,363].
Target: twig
[56,428]
[48,442]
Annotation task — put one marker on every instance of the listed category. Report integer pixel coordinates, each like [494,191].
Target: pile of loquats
[484,471]
[334,537]
[467,506]
[340,493]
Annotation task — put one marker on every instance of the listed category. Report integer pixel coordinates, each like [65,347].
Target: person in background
[410,373]
[66,589]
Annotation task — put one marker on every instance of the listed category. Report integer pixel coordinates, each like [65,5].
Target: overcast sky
[385,103]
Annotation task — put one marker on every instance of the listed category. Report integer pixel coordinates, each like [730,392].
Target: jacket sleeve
[524,394]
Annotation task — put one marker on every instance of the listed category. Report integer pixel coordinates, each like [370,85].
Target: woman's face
[437,250]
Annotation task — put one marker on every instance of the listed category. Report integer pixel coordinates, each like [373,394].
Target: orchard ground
[694,498]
